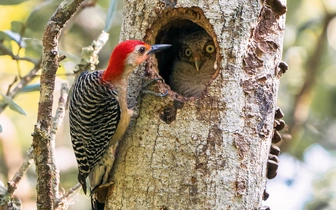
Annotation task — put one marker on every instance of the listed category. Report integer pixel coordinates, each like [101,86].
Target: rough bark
[207,153]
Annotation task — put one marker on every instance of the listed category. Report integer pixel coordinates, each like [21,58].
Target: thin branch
[7,51]
[60,112]
[12,184]
[42,143]
[8,201]
[18,68]
[57,122]
[62,203]
[20,47]
[10,86]
[23,82]
[90,56]
[64,74]
[72,190]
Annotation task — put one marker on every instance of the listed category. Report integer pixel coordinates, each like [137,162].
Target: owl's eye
[210,48]
[187,52]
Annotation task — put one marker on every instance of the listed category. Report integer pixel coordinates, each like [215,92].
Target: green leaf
[6,41]
[17,26]
[33,47]
[2,36]
[40,15]
[0,128]
[15,37]
[12,105]
[11,2]
[31,88]
[110,14]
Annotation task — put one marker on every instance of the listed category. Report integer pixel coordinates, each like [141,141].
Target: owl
[193,65]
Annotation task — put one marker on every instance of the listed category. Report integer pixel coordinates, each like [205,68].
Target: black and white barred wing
[94,116]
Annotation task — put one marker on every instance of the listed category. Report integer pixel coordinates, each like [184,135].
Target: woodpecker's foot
[152,92]
[152,81]
[105,185]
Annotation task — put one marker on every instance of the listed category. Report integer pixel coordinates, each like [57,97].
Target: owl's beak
[197,63]
[198,60]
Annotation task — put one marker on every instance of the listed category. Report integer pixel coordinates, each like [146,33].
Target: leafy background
[306,175]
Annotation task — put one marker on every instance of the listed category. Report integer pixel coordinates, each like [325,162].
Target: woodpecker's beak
[158,47]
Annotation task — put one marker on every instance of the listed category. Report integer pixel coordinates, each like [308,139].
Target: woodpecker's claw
[152,92]
[151,81]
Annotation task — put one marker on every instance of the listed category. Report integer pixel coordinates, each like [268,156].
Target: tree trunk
[212,152]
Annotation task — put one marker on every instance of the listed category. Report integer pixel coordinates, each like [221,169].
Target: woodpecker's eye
[142,50]
[187,52]
[210,48]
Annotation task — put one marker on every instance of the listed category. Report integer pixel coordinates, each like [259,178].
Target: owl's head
[196,48]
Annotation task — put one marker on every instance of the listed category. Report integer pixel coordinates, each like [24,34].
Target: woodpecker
[193,65]
[99,115]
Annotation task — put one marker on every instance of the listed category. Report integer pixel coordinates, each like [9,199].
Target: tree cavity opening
[188,66]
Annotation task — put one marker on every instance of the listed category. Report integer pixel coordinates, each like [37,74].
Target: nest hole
[188,66]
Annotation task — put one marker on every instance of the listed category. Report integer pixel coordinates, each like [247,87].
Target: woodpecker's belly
[122,126]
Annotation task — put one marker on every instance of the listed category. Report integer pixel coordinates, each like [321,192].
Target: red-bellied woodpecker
[99,115]
[193,66]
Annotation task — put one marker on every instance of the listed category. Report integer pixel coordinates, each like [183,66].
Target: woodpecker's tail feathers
[82,181]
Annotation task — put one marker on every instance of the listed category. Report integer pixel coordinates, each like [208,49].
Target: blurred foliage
[308,98]
[21,31]
[315,114]
[325,193]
